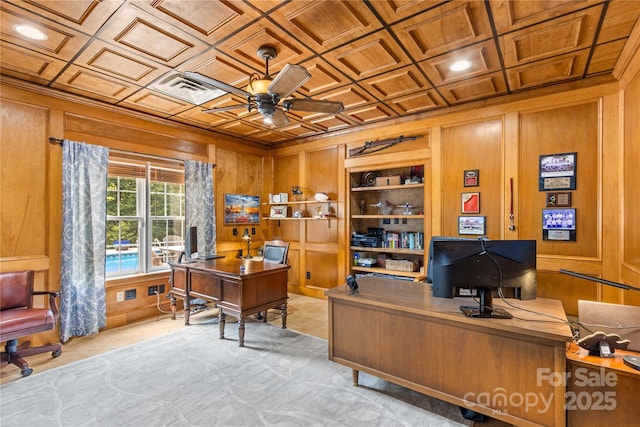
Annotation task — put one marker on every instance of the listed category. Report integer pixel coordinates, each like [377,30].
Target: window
[145,215]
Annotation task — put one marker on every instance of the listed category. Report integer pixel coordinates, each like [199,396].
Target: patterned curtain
[83,309]
[200,205]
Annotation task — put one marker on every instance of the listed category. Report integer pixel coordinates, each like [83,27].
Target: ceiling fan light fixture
[258,85]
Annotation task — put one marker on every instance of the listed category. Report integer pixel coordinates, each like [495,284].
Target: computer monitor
[191,243]
[485,266]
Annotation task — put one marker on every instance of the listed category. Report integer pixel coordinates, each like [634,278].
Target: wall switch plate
[120,296]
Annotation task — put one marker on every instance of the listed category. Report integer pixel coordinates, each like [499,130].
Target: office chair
[275,251]
[18,318]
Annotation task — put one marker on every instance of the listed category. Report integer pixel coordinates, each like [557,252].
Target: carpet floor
[192,378]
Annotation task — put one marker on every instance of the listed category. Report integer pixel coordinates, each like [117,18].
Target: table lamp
[246,236]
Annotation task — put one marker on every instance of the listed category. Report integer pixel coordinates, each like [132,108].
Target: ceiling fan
[269,95]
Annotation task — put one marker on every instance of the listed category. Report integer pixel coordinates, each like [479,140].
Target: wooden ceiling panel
[120,63]
[144,34]
[220,67]
[94,85]
[447,27]
[483,58]
[396,83]
[416,102]
[208,20]
[332,123]
[556,69]
[370,113]
[476,88]
[28,65]
[351,96]
[375,54]
[512,15]
[345,20]
[155,103]
[196,117]
[605,57]
[82,15]
[299,130]
[621,16]
[241,127]
[60,42]
[324,77]
[395,10]
[244,45]
[562,35]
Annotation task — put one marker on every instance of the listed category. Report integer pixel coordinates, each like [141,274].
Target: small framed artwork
[472,178]
[559,224]
[472,225]
[558,199]
[557,172]
[241,209]
[470,203]
[278,212]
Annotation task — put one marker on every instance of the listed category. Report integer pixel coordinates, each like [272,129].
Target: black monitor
[485,266]
[191,243]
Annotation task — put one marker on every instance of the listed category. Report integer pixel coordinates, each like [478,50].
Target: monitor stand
[485,308]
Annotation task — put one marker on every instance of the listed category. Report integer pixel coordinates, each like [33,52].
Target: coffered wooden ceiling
[383,59]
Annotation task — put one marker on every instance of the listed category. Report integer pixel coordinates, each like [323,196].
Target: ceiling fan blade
[288,80]
[227,108]
[279,118]
[313,105]
[215,83]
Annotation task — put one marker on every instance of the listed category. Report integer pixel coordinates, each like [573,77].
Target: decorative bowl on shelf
[321,197]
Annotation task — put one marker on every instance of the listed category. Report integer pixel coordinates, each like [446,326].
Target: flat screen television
[486,266]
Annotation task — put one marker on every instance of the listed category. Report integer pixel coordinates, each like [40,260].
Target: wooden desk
[396,331]
[601,391]
[260,287]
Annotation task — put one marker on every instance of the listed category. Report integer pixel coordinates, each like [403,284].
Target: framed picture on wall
[559,224]
[472,225]
[557,172]
[470,203]
[241,209]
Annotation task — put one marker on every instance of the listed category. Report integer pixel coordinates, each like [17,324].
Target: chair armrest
[52,301]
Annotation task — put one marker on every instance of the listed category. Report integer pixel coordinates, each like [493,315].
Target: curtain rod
[59,142]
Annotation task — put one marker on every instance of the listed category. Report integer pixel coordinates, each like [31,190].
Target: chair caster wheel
[26,372]
[56,353]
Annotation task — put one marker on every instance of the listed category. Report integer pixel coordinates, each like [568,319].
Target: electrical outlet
[253,230]
[152,290]
[235,231]
[161,288]
[130,294]
[120,296]
[308,275]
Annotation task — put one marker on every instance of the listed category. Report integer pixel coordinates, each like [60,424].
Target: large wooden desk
[396,331]
[260,287]
[601,391]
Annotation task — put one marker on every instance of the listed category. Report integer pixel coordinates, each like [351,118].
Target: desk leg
[355,374]
[172,299]
[221,320]
[241,332]
[284,315]
[187,310]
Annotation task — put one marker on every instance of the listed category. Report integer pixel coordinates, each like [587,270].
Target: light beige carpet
[192,378]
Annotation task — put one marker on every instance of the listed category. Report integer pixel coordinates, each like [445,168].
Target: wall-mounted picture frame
[241,209]
[471,178]
[559,199]
[557,172]
[472,225]
[470,203]
[278,212]
[559,224]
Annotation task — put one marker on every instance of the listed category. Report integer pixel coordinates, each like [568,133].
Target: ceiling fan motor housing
[266,103]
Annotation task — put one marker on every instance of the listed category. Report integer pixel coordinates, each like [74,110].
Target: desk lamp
[246,236]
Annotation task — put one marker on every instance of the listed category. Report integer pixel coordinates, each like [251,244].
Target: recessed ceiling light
[461,65]
[29,31]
